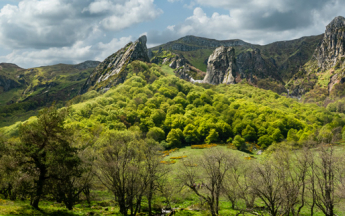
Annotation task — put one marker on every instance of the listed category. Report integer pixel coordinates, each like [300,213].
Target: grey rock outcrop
[252,66]
[150,54]
[111,71]
[333,44]
[221,66]
[177,62]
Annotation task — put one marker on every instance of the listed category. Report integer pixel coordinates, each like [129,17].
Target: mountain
[24,91]
[284,57]
[111,71]
[322,78]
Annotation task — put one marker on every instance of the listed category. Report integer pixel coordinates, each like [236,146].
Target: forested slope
[178,113]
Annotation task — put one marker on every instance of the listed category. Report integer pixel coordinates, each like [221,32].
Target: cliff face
[333,44]
[252,66]
[111,71]
[326,69]
[221,66]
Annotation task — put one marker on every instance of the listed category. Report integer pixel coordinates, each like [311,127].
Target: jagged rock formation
[333,45]
[178,62]
[109,72]
[252,66]
[324,73]
[189,73]
[150,54]
[221,66]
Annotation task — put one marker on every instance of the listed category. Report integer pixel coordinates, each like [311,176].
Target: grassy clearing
[168,70]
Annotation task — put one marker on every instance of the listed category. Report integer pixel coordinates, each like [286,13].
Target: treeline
[49,161]
[287,183]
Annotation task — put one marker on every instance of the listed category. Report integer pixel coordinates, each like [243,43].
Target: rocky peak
[333,45]
[221,66]
[336,23]
[111,71]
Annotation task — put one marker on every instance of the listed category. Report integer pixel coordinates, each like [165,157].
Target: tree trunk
[39,189]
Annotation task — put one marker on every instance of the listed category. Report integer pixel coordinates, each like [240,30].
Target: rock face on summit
[221,66]
[333,44]
[252,66]
[111,71]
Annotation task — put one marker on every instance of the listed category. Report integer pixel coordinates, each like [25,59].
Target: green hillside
[39,87]
[143,128]
[181,113]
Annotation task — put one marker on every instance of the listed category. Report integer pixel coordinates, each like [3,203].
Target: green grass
[168,70]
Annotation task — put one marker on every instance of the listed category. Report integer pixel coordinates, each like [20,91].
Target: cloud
[255,21]
[77,53]
[43,24]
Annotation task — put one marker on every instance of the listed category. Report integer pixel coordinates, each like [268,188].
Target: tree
[265,141]
[268,184]
[191,134]
[156,133]
[249,134]
[212,137]
[224,130]
[72,179]
[175,138]
[44,145]
[128,167]
[239,142]
[328,174]
[205,176]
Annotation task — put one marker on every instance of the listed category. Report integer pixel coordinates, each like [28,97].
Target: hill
[24,91]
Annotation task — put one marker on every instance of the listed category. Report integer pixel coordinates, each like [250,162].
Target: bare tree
[268,185]
[205,176]
[327,175]
[129,168]
[237,182]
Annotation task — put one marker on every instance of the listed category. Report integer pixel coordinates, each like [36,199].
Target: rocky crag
[324,74]
[112,70]
[221,66]
[332,48]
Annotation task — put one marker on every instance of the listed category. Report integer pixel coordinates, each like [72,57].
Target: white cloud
[77,53]
[42,24]
[255,21]
[125,14]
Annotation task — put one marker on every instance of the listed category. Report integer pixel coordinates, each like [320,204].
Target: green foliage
[156,133]
[239,142]
[175,138]
[187,113]
[212,137]
[249,134]
[265,141]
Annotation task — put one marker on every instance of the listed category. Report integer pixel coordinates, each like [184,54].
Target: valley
[195,126]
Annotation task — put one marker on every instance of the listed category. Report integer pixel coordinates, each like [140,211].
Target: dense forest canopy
[178,113]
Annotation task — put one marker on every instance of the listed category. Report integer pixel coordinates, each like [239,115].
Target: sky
[45,32]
